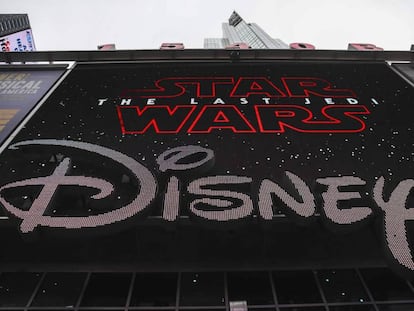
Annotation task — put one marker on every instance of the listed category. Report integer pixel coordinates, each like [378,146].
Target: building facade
[175,179]
[238,31]
[200,184]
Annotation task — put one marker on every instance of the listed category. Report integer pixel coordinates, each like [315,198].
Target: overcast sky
[327,24]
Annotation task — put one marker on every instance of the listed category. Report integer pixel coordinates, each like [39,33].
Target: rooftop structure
[237,31]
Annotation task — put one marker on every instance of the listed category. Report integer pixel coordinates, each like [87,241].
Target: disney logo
[215,198]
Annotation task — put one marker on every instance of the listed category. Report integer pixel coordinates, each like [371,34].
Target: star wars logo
[242,105]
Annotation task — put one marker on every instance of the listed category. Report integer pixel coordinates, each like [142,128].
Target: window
[240,285]
[154,290]
[59,289]
[17,288]
[342,286]
[107,289]
[385,285]
[295,287]
[202,289]
[307,290]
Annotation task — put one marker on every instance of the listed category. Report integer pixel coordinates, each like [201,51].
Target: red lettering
[305,87]
[338,119]
[301,46]
[163,119]
[261,86]
[209,87]
[221,117]
[174,87]
[364,47]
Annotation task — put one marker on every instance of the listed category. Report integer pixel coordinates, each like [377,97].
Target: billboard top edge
[201,54]
[33,66]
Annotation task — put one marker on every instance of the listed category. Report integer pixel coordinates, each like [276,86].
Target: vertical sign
[20,90]
[21,41]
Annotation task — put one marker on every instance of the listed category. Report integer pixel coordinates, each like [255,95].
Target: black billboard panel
[222,145]
[406,69]
[20,90]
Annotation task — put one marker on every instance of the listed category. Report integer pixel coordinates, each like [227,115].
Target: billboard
[21,41]
[20,91]
[406,69]
[221,145]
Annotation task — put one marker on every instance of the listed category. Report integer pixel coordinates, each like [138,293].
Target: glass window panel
[395,307]
[352,308]
[385,285]
[59,289]
[202,289]
[107,289]
[16,288]
[254,287]
[303,309]
[154,289]
[294,287]
[342,286]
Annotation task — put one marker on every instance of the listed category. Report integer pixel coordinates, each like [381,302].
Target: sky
[134,24]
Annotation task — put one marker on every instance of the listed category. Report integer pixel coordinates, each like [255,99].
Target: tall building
[190,180]
[15,33]
[237,31]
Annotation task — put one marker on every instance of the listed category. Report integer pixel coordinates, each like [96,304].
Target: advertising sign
[407,69]
[20,90]
[220,144]
[21,41]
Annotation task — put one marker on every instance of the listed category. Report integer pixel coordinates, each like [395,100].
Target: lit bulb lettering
[214,198]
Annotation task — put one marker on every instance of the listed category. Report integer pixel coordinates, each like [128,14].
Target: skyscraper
[237,31]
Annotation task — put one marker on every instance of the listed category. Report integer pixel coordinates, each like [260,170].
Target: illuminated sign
[20,91]
[271,117]
[5,116]
[21,41]
[314,141]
